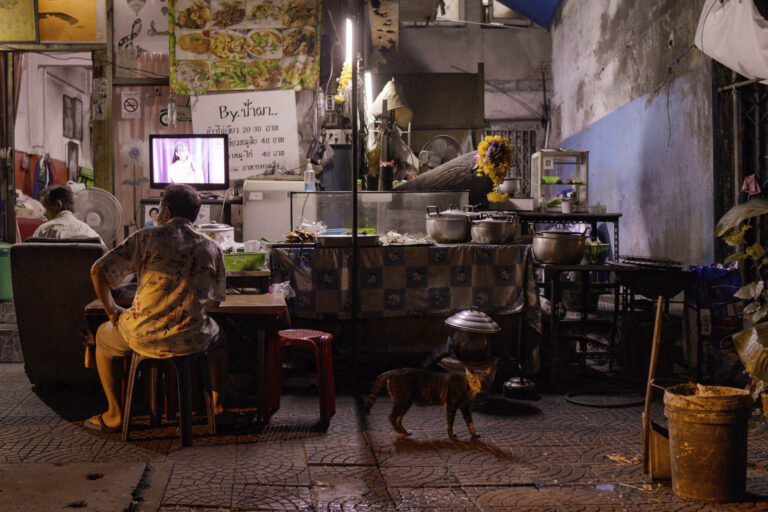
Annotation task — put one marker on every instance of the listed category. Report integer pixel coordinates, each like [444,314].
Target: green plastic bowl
[550,180]
[242,261]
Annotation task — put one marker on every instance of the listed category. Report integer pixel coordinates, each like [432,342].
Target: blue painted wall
[651,160]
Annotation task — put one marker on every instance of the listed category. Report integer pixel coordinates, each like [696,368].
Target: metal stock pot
[560,247]
[450,226]
[494,230]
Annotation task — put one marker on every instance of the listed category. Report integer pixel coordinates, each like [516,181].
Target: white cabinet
[555,172]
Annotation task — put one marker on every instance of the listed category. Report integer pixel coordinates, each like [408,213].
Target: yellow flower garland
[496,169]
[344,79]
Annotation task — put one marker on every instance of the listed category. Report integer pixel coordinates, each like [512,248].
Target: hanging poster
[243,44]
[18,21]
[262,129]
[141,26]
[72,20]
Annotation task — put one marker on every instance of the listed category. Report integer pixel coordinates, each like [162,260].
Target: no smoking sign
[130,105]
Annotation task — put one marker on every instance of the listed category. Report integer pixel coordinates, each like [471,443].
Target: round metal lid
[473,320]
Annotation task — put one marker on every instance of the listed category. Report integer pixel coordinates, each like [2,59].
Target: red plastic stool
[320,342]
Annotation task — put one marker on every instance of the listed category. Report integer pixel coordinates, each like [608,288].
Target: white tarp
[735,34]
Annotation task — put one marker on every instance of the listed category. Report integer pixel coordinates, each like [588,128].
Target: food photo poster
[220,45]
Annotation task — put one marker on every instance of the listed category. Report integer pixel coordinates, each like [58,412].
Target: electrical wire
[493,24]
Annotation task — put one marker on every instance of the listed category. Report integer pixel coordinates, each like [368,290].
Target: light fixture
[368,90]
[393,94]
[348,42]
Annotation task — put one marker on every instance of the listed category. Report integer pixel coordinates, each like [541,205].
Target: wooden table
[258,279]
[257,308]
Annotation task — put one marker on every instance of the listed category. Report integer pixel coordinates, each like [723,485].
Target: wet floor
[547,455]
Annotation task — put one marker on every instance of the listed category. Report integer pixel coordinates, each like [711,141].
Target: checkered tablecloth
[394,281]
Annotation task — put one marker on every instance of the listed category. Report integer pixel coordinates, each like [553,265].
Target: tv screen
[201,161]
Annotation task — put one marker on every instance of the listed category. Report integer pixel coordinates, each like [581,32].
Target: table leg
[554,348]
[261,349]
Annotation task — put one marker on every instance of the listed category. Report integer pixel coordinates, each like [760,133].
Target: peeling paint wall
[648,129]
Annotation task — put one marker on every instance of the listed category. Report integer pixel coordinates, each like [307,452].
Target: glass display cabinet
[556,173]
[404,212]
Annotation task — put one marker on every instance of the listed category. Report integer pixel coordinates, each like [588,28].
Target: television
[198,160]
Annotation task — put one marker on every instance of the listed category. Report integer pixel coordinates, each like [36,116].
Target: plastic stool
[183,366]
[321,343]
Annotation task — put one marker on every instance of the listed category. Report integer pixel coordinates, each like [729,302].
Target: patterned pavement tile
[486,467]
[348,449]
[274,498]
[282,463]
[199,495]
[201,476]
[419,476]
[503,499]
[393,452]
[349,488]
[420,499]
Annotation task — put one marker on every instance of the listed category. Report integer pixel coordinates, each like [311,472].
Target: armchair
[51,286]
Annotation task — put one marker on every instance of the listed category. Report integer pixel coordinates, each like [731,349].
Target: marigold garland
[494,158]
[344,79]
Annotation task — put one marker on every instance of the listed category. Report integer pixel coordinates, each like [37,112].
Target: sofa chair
[51,286]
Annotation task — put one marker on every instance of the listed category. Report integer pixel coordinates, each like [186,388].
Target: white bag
[735,34]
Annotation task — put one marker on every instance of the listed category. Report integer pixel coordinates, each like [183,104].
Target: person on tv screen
[182,168]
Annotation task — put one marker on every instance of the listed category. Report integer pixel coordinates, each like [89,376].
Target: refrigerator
[267,208]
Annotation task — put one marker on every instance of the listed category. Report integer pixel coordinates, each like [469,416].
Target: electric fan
[100,210]
[437,151]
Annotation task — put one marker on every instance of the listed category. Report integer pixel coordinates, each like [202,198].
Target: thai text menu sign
[262,129]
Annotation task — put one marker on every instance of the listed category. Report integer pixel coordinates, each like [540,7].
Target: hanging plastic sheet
[734,33]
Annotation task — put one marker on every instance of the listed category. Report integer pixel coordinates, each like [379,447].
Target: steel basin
[558,247]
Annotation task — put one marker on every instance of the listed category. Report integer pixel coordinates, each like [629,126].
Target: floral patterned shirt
[178,270]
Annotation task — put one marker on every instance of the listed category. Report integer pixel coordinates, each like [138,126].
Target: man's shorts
[111,341]
[113,344]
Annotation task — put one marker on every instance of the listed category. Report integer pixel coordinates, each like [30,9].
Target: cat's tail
[380,381]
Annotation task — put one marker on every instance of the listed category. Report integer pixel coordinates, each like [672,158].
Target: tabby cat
[424,387]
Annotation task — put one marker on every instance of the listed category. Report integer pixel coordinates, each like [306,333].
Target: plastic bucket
[708,441]
[6,291]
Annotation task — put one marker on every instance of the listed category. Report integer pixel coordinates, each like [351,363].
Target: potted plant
[751,343]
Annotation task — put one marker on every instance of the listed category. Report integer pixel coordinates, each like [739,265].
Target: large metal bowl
[558,247]
[493,230]
[447,228]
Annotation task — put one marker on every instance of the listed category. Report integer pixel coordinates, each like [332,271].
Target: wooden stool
[318,341]
[183,366]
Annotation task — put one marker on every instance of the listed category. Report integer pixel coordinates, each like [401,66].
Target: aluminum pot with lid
[493,229]
[559,247]
[450,226]
[469,341]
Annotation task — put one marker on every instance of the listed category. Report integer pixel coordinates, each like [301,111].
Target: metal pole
[9,188]
[353,171]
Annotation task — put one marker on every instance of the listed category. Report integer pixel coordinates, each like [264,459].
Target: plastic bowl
[242,261]
[550,180]
[596,254]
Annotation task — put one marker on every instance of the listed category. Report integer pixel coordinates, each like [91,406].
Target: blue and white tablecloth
[396,281]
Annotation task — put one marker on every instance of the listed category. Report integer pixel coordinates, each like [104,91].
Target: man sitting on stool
[59,204]
[179,270]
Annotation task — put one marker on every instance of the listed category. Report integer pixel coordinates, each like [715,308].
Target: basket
[596,254]
[242,261]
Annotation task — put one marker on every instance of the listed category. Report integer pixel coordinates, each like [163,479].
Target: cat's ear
[487,372]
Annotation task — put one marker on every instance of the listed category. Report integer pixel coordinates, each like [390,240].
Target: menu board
[262,129]
[220,45]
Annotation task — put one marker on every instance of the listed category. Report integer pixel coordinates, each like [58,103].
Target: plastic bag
[284,288]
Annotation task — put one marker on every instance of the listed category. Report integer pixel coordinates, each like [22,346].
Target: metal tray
[363,240]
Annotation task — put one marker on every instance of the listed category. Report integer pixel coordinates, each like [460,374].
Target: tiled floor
[543,455]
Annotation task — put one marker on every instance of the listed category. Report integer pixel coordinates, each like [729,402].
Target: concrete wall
[514,59]
[648,130]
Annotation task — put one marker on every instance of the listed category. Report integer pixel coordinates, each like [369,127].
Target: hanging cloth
[41,178]
[735,34]
[751,186]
